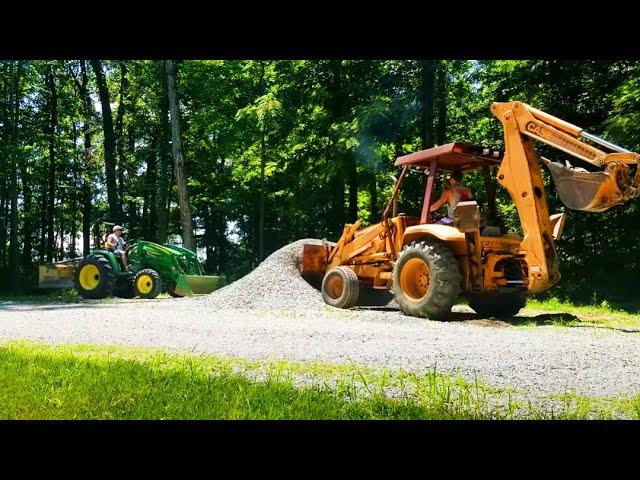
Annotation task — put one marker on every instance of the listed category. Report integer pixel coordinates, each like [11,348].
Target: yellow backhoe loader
[428,266]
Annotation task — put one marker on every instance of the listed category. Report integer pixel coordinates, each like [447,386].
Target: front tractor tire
[147,283]
[497,304]
[340,287]
[94,277]
[426,280]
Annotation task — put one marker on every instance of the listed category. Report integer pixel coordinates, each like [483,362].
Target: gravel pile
[275,284]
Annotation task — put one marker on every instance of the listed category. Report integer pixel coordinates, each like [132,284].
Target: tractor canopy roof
[453,157]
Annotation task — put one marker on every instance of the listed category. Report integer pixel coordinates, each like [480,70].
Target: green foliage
[329,132]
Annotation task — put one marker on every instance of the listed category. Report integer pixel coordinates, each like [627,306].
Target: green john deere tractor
[151,269]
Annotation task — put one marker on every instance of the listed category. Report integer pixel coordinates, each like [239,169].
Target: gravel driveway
[540,359]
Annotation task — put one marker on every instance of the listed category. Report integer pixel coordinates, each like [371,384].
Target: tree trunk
[3,225]
[13,181]
[180,174]
[353,187]
[261,213]
[42,246]
[427,73]
[119,129]
[115,210]
[338,106]
[209,238]
[164,172]
[150,201]
[441,101]
[375,214]
[490,189]
[53,122]
[5,75]
[27,229]
[86,184]
[60,235]
[263,161]
[73,227]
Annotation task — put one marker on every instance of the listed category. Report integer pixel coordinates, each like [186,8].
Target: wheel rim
[335,285]
[144,283]
[89,277]
[415,279]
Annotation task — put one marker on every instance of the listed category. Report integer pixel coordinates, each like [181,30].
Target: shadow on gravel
[561,319]
[545,319]
[26,306]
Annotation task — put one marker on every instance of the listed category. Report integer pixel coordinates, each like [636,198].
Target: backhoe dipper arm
[520,174]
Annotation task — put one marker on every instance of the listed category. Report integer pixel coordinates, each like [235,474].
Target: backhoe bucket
[590,191]
[190,285]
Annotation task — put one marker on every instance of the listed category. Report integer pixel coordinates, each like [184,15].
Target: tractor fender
[111,257]
[450,236]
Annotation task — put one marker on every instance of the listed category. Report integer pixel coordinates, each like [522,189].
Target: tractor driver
[454,194]
[117,245]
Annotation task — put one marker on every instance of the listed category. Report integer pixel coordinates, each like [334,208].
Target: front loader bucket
[589,191]
[190,285]
[313,262]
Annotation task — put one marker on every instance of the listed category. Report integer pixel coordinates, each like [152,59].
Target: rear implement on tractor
[151,269]
[428,266]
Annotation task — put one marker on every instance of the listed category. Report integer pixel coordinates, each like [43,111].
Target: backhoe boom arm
[521,176]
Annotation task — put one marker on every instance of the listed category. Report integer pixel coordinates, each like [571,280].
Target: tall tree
[181,181]
[115,209]
[13,179]
[441,102]
[52,130]
[427,75]
[88,129]
[121,142]
[263,111]
[165,171]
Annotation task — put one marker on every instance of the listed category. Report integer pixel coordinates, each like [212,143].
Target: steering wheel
[130,246]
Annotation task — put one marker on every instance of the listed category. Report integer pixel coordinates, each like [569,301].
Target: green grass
[602,314]
[64,295]
[106,382]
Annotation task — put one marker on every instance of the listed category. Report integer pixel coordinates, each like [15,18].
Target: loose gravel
[275,284]
[273,314]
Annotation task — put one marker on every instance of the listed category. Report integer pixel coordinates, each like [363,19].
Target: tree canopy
[276,151]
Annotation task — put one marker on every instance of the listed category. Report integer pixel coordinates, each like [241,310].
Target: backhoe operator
[453,195]
[117,245]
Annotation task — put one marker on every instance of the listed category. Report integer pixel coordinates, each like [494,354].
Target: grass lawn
[105,382]
[601,315]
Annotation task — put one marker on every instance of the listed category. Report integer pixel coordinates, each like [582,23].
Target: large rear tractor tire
[496,304]
[426,280]
[340,287]
[147,283]
[94,277]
